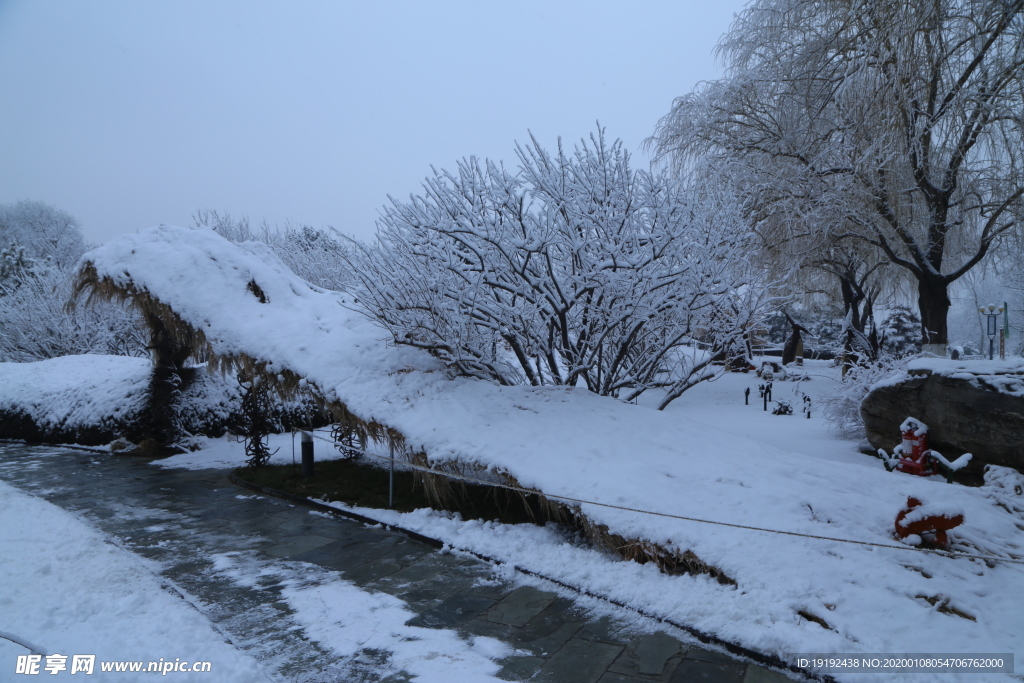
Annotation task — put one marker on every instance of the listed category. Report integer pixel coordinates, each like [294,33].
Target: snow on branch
[574,270]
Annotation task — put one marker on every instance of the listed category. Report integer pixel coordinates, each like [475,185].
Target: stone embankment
[969,406]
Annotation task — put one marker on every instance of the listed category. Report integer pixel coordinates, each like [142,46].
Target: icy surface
[349,620]
[68,590]
[75,391]
[712,463]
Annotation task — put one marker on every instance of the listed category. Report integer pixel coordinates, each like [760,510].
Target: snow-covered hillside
[574,445]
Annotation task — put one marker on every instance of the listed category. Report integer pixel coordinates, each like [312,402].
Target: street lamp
[992,313]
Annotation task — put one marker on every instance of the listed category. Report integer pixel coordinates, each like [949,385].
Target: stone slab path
[186,519]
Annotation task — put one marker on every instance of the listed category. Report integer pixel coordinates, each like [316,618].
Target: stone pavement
[186,519]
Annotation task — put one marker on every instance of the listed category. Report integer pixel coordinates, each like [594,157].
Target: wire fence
[583,501]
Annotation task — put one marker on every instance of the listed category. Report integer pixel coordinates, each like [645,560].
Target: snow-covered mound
[570,443]
[72,399]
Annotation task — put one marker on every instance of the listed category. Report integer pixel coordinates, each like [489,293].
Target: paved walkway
[186,519]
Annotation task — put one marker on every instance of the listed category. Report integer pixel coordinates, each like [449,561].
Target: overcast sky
[129,114]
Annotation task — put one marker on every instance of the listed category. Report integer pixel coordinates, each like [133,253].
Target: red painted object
[915,457]
[935,524]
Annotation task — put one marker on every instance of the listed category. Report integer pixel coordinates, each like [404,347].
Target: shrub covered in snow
[901,332]
[35,323]
[73,399]
[842,407]
[573,270]
[93,399]
[39,246]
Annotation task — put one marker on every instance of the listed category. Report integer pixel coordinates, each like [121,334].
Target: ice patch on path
[349,620]
[70,591]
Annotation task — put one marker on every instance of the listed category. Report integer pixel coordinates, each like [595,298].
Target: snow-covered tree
[574,269]
[906,117]
[16,268]
[44,232]
[35,323]
[39,247]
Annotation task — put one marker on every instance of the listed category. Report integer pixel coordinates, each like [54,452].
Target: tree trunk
[933,303]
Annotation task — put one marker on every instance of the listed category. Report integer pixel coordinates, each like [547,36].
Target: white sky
[129,114]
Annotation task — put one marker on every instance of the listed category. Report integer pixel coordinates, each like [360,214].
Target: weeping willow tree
[904,118]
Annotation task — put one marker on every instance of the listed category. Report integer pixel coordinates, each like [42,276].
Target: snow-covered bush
[842,407]
[36,267]
[35,325]
[573,270]
[901,332]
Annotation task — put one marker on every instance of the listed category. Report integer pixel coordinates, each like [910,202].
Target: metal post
[992,313]
[746,397]
[991,335]
[1006,331]
[391,479]
[307,454]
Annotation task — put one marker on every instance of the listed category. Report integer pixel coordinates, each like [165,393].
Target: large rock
[969,406]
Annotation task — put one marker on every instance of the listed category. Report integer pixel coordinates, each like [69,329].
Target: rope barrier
[473,480]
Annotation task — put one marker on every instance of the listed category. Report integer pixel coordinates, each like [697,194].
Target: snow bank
[67,590]
[570,443]
[94,399]
[84,399]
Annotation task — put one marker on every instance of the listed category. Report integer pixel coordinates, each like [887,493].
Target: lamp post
[991,313]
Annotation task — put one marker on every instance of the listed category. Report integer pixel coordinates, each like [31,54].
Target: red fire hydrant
[915,456]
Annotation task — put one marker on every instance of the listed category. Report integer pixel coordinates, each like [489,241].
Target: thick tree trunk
[933,303]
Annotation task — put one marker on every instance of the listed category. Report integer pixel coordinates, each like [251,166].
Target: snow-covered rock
[970,406]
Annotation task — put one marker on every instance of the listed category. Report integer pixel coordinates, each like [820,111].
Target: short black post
[391,479]
[746,396]
[307,454]
[766,401]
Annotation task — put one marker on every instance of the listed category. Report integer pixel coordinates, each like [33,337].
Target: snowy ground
[69,591]
[873,599]
[708,457]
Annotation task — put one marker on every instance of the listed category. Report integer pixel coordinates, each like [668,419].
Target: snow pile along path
[567,442]
[68,591]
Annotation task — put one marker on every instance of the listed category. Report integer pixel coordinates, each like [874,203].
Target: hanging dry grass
[668,560]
